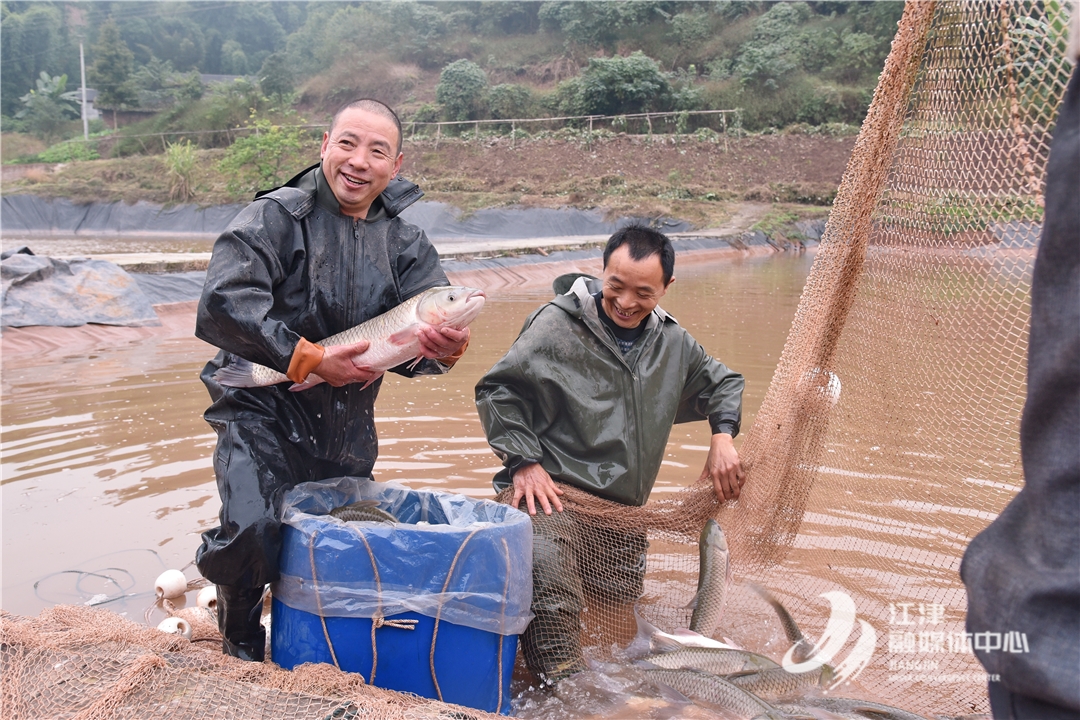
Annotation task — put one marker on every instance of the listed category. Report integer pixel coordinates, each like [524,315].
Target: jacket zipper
[635,389]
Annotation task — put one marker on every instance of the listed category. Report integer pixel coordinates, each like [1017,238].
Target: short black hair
[642,241]
[373,106]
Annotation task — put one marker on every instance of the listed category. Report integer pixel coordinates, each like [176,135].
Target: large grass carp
[394,336]
[718,661]
[777,682]
[714,572]
[714,690]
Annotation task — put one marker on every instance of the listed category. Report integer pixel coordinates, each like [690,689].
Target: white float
[170,584]
[175,626]
[207,598]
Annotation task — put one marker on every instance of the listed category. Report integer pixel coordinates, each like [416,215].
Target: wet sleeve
[238,293]
[505,403]
[711,391]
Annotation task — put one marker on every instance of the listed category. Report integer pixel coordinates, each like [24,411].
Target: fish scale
[715,690]
[718,661]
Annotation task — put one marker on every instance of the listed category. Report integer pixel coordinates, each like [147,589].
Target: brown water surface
[107,478]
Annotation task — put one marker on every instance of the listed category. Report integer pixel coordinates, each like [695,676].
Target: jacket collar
[579,303]
[397,196]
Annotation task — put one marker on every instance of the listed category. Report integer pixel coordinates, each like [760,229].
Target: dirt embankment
[677,176]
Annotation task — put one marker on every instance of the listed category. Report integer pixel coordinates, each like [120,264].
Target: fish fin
[692,605]
[366,385]
[236,373]
[403,337]
[791,628]
[309,382]
[415,362]
[739,674]
[648,639]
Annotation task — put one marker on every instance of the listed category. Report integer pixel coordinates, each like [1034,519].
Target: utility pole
[82,71]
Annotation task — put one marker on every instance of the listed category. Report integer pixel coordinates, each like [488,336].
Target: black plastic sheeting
[31,215]
[67,293]
[515,222]
[173,287]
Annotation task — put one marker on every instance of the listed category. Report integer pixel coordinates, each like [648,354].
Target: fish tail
[791,629]
[238,372]
[649,639]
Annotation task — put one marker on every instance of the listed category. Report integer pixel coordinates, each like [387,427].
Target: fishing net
[889,435]
[79,662]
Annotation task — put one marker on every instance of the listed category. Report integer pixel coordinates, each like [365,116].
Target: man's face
[632,287]
[359,159]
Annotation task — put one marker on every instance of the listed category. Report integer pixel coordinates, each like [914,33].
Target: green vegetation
[461,89]
[262,160]
[47,106]
[808,66]
[180,159]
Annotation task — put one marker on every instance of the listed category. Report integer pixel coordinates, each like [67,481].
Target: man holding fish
[294,271]
[587,396]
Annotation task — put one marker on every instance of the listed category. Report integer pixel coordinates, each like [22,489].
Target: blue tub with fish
[431,604]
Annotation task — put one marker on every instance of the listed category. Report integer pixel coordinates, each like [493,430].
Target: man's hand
[532,482]
[724,468]
[344,364]
[441,342]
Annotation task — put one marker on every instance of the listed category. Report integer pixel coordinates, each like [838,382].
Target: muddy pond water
[107,476]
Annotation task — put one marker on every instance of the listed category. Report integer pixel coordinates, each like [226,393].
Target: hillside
[158,71]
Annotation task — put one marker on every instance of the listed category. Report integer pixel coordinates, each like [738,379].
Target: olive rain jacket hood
[564,394]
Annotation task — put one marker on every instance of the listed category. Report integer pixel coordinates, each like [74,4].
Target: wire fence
[648,123]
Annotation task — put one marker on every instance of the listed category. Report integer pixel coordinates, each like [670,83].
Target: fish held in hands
[394,337]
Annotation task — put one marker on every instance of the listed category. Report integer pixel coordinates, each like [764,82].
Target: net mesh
[888,437]
[78,662]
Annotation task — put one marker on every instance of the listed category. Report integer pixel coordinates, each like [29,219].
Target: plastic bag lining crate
[433,608]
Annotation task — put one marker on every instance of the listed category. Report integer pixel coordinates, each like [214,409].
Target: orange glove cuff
[305,358]
[451,359]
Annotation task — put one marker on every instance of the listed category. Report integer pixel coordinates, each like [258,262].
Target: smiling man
[305,261]
[587,396]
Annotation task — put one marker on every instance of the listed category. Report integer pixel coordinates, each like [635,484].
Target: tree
[262,160]
[275,77]
[234,60]
[617,86]
[774,52]
[49,106]
[509,101]
[595,23]
[32,43]
[111,70]
[461,89]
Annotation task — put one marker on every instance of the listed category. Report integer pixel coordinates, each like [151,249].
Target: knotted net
[889,435]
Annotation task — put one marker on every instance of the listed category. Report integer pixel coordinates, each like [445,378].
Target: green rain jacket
[564,394]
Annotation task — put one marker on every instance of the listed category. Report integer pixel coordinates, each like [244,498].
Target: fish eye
[452,297]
